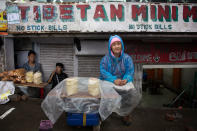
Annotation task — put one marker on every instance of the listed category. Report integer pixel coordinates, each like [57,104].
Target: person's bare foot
[24,97]
[15,98]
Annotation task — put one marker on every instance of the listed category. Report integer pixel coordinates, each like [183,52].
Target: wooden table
[41,86]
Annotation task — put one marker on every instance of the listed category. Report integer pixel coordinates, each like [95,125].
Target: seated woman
[117,66]
[57,75]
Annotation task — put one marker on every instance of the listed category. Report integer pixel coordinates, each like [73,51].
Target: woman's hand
[123,82]
[120,82]
[117,82]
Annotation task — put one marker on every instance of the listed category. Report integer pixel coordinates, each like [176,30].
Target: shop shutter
[50,54]
[89,66]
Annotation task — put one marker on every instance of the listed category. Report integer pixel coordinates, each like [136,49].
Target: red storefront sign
[162,53]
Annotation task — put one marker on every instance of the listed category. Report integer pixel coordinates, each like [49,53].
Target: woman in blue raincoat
[117,67]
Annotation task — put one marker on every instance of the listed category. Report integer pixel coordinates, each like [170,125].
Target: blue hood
[109,49]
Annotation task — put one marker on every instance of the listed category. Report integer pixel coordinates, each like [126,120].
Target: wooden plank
[42,85]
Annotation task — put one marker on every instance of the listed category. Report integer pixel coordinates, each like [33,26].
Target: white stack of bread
[37,78]
[29,76]
[72,86]
[93,87]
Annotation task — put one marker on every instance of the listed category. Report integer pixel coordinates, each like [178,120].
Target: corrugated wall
[50,54]
[89,66]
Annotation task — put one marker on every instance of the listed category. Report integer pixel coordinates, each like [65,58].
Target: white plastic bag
[7,88]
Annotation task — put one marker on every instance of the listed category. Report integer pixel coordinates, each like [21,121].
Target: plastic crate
[82,119]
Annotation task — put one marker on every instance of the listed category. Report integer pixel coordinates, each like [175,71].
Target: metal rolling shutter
[89,66]
[50,54]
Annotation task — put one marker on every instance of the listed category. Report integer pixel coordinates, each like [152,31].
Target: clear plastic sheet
[130,98]
[108,101]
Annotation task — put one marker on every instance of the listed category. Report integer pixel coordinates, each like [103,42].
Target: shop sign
[3,21]
[102,17]
[162,53]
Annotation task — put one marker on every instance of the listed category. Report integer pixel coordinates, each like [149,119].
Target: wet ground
[27,116]
[164,96]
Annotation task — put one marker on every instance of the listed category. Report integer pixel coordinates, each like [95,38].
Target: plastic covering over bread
[90,95]
[93,87]
[71,86]
[29,76]
[37,78]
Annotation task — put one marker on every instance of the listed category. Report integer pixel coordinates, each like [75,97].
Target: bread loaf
[19,72]
[14,75]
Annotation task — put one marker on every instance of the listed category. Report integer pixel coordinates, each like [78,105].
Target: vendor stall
[83,95]
[20,79]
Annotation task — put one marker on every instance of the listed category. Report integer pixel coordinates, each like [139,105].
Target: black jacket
[57,78]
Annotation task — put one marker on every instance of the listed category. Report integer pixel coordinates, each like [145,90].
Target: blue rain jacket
[112,68]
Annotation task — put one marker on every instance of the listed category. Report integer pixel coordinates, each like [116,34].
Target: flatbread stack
[71,86]
[37,78]
[93,87]
[30,76]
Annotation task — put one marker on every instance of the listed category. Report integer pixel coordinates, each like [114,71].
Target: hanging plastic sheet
[89,95]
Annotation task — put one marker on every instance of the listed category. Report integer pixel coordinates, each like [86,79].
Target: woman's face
[116,47]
